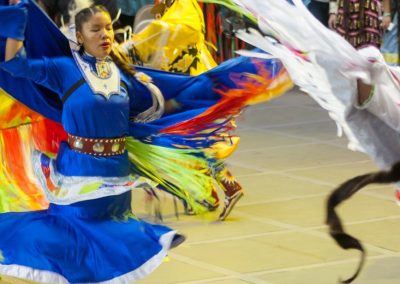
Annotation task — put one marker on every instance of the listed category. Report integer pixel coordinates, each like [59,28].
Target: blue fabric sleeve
[13,21]
[139,97]
[41,71]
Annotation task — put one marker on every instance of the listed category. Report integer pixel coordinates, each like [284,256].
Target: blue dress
[88,234]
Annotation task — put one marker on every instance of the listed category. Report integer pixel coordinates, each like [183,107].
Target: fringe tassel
[182,172]
[252,89]
[13,113]
[21,131]
[19,190]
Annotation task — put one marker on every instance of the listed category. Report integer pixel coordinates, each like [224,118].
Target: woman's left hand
[386,21]
[172,106]
[13,2]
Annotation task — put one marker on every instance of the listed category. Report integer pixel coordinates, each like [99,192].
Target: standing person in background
[58,10]
[320,10]
[359,21]
[391,47]
[129,8]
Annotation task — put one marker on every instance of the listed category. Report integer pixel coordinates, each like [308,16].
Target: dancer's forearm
[12,47]
[386,7]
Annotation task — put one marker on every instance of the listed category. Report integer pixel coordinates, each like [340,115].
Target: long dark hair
[345,191]
[119,58]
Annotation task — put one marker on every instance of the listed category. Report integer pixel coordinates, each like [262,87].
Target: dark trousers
[320,10]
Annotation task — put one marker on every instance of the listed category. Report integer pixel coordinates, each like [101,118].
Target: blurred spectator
[58,10]
[359,21]
[129,8]
[391,47]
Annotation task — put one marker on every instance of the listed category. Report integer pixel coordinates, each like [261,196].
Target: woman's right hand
[332,21]
[13,2]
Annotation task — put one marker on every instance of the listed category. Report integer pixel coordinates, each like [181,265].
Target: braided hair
[118,57]
[345,191]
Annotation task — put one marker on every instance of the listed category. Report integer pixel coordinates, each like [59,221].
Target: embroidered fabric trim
[64,190]
[102,86]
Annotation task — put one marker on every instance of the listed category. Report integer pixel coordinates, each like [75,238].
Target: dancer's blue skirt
[95,241]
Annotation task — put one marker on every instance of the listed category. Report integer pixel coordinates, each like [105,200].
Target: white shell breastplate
[105,86]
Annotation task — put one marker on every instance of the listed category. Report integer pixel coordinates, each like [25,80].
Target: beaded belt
[97,146]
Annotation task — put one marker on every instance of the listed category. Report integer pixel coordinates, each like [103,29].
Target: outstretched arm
[41,70]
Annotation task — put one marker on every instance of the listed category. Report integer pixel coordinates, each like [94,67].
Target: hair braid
[122,62]
[344,192]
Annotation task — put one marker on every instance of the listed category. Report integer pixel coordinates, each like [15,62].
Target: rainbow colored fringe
[177,168]
[181,169]
[251,89]
[19,191]
[184,173]
[21,131]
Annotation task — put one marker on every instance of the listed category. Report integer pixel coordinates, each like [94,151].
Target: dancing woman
[84,235]
[88,233]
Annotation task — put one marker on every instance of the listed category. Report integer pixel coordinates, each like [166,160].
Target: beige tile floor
[288,161]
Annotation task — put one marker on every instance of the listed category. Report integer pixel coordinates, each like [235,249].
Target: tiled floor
[288,161]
